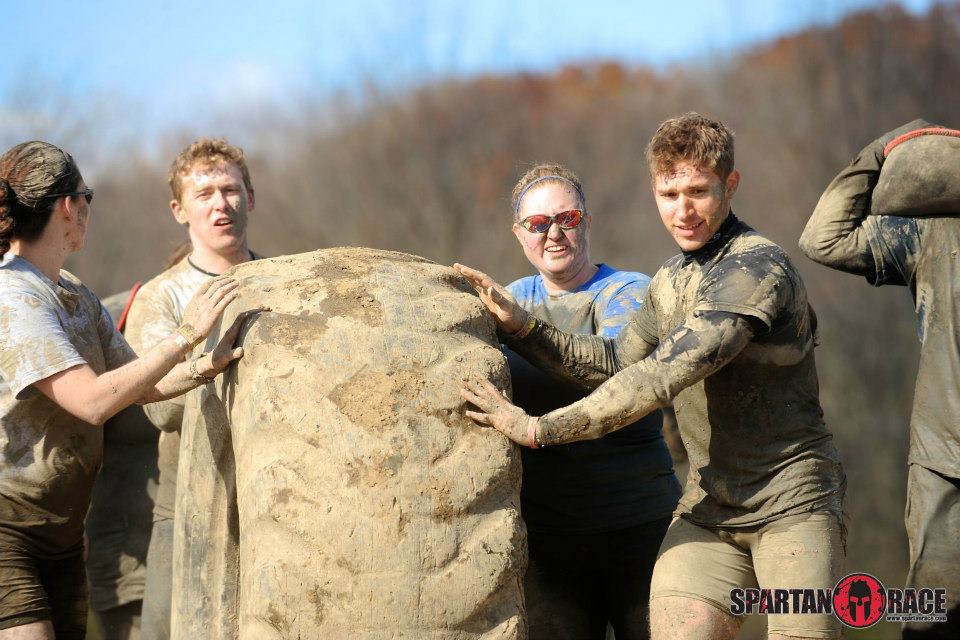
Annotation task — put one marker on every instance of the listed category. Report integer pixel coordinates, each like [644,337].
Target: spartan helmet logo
[859,600]
[859,597]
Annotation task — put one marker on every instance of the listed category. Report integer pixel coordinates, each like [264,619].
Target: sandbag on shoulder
[921,174]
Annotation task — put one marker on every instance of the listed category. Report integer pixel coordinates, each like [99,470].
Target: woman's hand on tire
[207,305]
[509,315]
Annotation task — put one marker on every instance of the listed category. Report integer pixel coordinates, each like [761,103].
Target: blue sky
[176,62]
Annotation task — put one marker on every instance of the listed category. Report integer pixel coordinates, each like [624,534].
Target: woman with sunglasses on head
[65,369]
[596,511]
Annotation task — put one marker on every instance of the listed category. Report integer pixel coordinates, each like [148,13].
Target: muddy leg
[42,630]
[680,618]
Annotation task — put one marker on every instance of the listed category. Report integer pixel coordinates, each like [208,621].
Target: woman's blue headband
[583,200]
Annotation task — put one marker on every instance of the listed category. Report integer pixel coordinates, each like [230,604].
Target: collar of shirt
[730,228]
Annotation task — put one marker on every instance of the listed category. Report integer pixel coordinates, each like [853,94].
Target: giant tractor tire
[330,485]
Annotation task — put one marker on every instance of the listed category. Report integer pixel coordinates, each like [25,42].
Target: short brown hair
[206,152]
[549,172]
[692,138]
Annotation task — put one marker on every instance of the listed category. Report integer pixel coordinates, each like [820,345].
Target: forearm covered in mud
[834,236]
[153,317]
[581,359]
[167,415]
[697,348]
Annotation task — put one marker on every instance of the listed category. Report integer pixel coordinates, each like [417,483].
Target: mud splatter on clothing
[727,335]
[120,519]
[610,483]
[48,458]
[601,306]
[155,313]
[923,254]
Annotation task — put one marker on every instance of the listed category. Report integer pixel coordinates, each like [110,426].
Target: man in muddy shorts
[920,253]
[727,335]
[212,197]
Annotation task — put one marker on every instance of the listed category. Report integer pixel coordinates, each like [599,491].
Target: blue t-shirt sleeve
[622,304]
[524,290]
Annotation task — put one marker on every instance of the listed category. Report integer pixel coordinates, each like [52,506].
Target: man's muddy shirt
[156,312]
[611,483]
[750,415]
[49,459]
[924,255]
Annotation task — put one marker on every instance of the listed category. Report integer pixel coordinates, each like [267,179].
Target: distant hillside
[430,171]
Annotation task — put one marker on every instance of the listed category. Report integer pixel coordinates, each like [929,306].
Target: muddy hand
[510,316]
[225,352]
[208,303]
[495,410]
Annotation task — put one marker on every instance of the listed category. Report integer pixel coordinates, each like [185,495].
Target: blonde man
[213,198]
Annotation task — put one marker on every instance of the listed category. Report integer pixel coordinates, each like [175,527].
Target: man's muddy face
[215,204]
[559,254]
[693,202]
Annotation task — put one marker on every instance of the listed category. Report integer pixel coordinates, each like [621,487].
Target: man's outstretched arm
[694,350]
[584,360]
[581,359]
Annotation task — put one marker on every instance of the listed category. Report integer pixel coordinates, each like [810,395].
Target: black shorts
[33,589]
[577,584]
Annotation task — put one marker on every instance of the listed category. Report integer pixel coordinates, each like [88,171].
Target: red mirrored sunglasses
[541,223]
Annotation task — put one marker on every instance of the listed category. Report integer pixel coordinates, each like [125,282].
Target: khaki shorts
[795,552]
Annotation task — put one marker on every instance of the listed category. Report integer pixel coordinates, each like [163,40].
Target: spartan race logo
[859,600]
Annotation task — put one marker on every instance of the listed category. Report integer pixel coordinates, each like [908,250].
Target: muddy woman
[64,370]
[610,498]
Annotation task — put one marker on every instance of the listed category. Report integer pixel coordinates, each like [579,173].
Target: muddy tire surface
[330,485]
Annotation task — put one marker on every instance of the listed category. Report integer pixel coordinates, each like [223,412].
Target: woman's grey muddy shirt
[49,459]
[726,334]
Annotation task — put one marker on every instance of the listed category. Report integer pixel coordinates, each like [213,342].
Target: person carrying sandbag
[893,216]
